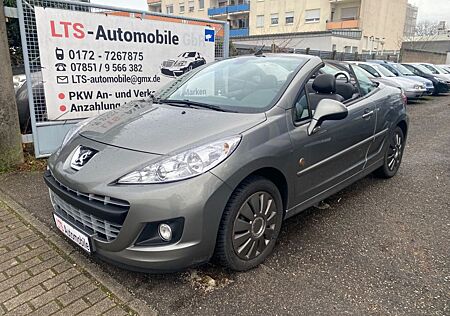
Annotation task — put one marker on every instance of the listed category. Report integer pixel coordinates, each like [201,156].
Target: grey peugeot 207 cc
[217,159]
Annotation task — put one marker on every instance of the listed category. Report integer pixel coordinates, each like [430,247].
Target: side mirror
[327,110]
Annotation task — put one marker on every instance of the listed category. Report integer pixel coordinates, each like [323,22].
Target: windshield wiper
[170,102]
[189,103]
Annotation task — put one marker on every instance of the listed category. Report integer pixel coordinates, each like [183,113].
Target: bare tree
[426,28]
[10,139]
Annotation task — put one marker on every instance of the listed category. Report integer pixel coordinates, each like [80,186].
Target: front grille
[168,63]
[88,223]
[105,200]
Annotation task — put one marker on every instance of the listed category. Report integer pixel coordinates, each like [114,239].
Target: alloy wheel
[395,152]
[254,225]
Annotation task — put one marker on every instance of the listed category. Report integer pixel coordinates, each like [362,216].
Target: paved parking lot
[382,247]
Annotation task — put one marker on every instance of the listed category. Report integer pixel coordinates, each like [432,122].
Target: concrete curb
[104,280]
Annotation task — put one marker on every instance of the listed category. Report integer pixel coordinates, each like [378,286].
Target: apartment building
[411,20]
[379,24]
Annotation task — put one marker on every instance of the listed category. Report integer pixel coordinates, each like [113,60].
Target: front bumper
[430,90]
[442,87]
[198,201]
[415,94]
[173,72]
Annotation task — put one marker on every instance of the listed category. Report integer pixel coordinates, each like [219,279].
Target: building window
[260,21]
[312,16]
[274,19]
[349,13]
[290,17]
[169,9]
[191,5]
[201,4]
[181,7]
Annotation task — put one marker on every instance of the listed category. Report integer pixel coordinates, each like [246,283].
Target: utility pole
[11,153]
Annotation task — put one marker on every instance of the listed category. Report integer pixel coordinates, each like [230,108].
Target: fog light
[165,232]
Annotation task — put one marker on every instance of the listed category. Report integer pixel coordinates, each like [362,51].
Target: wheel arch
[277,177]
[404,127]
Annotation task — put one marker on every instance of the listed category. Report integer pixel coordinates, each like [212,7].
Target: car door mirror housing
[327,110]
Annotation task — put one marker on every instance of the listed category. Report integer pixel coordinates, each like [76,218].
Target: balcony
[239,32]
[229,9]
[343,24]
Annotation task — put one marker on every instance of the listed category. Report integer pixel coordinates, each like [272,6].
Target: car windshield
[328,69]
[424,69]
[432,69]
[383,71]
[244,84]
[446,68]
[362,71]
[188,54]
[441,70]
[370,69]
[403,70]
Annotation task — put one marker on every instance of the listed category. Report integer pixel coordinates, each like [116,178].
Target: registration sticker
[74,234]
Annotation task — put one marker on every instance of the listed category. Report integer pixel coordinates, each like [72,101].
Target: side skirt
[332,190]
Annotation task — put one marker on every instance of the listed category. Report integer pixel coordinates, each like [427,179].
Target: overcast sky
[131,4]
[433,10]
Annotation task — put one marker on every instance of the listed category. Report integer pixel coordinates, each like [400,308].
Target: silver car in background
[436,70]
[401,71]
[446,68]
[412,89]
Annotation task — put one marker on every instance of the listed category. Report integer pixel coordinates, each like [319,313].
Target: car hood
[443,77]
[402,82]
[163,129]
[420,80]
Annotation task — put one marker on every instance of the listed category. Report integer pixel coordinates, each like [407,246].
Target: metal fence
[47,135]
[330,55]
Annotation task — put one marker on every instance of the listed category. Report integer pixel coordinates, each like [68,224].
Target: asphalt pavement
[381,248]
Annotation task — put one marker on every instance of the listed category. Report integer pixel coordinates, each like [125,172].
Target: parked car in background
[412,89]
[401,71]
[445,67]
[436,70]
[169,182]
[440,82]
[182,64]
[23,104]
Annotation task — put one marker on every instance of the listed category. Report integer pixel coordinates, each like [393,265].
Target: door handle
[367,114]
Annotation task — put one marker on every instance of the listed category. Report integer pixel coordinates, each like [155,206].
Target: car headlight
[439,80]
[180,63]
[185,165]
[418,87]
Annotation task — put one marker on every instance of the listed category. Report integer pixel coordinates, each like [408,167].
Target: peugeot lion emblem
[81,157]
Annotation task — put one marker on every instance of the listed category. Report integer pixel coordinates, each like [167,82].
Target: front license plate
[73,234]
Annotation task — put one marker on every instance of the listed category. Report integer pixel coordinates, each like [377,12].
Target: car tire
[249,229]
[393,155]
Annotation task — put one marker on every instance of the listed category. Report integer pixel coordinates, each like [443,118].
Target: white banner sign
[92,62]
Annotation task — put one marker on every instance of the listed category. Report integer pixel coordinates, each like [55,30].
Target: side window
[366,85]
[301,108]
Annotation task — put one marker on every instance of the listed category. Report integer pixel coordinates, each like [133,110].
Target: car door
[382,105]
[333,154]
